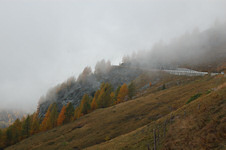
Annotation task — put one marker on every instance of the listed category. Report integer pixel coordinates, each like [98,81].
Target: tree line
[104,97]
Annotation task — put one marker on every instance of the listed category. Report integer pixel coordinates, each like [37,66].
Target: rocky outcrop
[74,91]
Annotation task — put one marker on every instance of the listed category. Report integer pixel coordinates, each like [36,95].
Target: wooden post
[158,135]
[165,128]
[170,118]
[154,139]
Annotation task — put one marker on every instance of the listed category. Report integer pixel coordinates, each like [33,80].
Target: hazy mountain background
[45,42]
[7,117]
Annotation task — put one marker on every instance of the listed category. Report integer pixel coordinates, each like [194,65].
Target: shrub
[107,138]
[194,97]
[209,91]
[163,87]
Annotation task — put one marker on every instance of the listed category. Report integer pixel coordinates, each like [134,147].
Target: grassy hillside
[130,125]
[198,125]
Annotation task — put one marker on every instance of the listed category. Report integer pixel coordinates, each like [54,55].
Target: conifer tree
[50,120]
[123,92]
[1,135]
[77,113]
[35,126]
[17,131]
[116,93]
[85,104]
[26,127]
[61,116]
[113,99]
[9,136]
[44,124]
[2,140]
[104,98]
[150,84]
[93,104]
[69,114]
[53,116]
[131,90]
[94,101]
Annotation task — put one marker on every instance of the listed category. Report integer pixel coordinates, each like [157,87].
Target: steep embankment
[130,124]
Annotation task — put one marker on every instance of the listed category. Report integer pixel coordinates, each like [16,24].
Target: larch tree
[123,92]
[93,104]
[35,125]
[150,84]
[45,123]
[104,98]
[94,101]
[1,135]
[2,145]
[50,120]
[26,127]
[69,114]
[17,131]
[131,90]
[61,117]
[77,113]
[112,95]
[53,116]
[85,104]
[9,136]
[116,92]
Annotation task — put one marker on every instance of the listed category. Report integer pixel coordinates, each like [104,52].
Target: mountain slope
[7,117]
[123,120]
[87,83]
[199,125]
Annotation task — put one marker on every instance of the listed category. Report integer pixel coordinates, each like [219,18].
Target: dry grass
[202,127]
[127,125]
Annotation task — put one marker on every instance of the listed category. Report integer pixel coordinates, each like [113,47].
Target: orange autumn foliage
[94,104]
[61,116]
[44,124]
[94,101]
[123,92]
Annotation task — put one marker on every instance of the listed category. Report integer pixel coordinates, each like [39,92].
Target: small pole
[165,128]
[170,118]
[158,135]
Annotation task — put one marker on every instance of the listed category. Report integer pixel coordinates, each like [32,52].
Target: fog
[202,51]
[43,42]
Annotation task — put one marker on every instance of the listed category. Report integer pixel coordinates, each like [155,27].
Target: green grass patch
[208,92]
[194,97]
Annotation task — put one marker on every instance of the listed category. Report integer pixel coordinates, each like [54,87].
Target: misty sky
[43,42]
